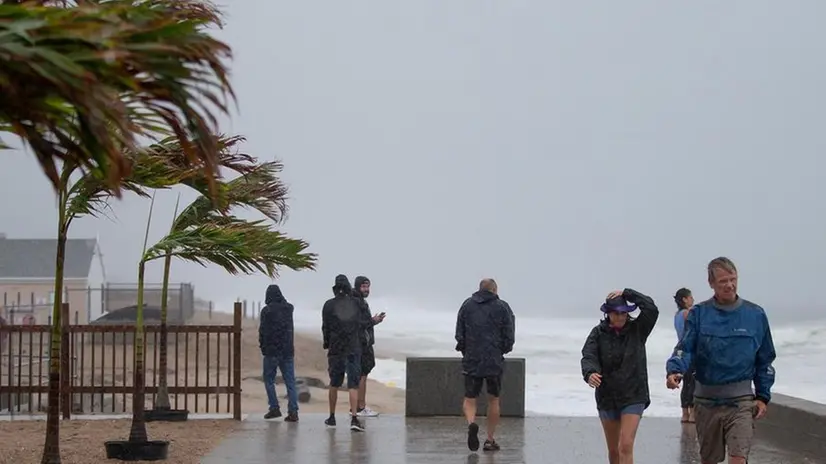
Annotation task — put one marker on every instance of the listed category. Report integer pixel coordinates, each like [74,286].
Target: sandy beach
[23,440]
[310,361]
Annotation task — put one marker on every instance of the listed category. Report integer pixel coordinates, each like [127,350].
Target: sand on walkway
[22,441]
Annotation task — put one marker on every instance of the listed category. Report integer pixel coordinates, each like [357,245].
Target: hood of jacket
[357,285]
[483,296]
[274,295]
[342,285]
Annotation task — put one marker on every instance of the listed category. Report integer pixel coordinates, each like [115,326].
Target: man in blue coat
[729,342]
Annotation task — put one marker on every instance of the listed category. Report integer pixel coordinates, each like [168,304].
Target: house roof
[35,258]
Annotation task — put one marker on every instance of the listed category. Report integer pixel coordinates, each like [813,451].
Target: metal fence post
[236,367]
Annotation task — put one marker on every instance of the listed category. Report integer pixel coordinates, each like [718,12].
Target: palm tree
[87,193]
[82,80]
[258,187]
[76,198]
[236,245]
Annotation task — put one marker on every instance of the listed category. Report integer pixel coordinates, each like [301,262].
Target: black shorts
[368,360]
[338,365]
[473,386]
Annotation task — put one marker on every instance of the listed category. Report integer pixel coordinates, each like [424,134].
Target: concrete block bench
[436,386]
[795,422]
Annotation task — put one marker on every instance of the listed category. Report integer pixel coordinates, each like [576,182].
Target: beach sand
[310,361]
[23,440]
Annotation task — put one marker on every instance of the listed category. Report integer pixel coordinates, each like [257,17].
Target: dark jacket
[510,311]
[484,334]
[368,337]
[275,327]
[342,322]
[620,356]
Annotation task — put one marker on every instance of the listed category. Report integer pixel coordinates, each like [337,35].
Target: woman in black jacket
[614,363]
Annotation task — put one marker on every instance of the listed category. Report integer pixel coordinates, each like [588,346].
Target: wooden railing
[97,366]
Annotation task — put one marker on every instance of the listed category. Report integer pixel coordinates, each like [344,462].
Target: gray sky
[563,148]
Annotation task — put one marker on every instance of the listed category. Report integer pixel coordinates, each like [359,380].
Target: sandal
[491,445]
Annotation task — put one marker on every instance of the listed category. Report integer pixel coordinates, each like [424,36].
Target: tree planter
[166,415]
[152,450]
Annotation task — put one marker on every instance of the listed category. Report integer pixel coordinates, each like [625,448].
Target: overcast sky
[563,148]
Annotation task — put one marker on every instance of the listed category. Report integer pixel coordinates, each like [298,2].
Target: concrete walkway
[396,439]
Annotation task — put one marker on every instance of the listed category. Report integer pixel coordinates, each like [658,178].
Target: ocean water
[552,349]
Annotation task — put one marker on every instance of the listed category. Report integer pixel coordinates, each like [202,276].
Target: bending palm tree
[258,188]
[154,167]
[236,245]
[81,83]
[87,195]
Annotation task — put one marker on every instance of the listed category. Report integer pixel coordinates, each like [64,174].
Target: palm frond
[162,165]
[197,176]
[260,189]
[90,194]
[237,246]
[227,152]
[70,75]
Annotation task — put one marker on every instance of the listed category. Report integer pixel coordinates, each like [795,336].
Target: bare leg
[469,407]
[628,434]
[332,394]
[493,415]
[362,392]
[736,460]
[612,434]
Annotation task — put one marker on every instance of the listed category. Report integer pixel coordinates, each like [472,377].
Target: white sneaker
[367,412]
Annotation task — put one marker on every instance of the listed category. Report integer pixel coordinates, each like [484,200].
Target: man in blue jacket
[729,342]
[275,338]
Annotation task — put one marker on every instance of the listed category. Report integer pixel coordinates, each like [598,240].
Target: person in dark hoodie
[484,334]
[614,364]
[342,324]
[275,338]
[361,291]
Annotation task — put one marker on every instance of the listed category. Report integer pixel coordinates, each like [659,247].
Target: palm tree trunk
[137,434]
[51,448]
[163,391]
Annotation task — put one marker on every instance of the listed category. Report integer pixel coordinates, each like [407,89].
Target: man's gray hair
[720,263]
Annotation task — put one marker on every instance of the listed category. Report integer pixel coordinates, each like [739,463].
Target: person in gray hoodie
[275,338]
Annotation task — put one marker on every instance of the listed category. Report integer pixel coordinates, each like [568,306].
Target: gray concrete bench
[435,387]
[796,421]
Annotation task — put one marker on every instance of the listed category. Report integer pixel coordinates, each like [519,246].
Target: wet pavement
[397,439]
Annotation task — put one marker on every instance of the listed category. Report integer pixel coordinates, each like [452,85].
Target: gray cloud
[563,149]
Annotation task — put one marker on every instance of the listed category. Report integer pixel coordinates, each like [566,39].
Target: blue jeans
[287,366]
[616,414]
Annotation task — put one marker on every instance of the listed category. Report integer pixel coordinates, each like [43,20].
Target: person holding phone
[614,364]
[368,356]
